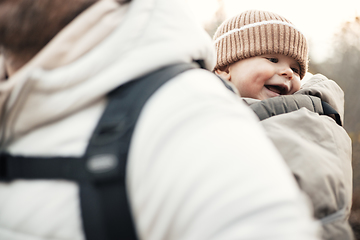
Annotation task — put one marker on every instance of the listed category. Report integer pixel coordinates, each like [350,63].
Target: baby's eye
[296,70]
[274,60]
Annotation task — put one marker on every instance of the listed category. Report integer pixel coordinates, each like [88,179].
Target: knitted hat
[254,33]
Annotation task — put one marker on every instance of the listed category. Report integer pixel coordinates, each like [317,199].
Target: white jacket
[199,163]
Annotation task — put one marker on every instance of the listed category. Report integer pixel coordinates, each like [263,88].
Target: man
[189,174]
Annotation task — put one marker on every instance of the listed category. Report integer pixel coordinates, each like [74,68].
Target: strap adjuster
[103,168]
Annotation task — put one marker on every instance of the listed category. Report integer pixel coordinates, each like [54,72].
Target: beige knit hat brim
[254,33]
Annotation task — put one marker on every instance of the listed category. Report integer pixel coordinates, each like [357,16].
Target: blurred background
[333,31]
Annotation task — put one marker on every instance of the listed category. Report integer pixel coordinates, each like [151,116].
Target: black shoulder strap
[106,158]
[101,172]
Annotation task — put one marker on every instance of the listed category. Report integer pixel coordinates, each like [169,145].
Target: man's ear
[224,73]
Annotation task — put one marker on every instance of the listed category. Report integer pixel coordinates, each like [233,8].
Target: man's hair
[26,26]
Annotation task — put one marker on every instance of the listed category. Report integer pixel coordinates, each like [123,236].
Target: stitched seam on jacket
[296,103]
[312,102]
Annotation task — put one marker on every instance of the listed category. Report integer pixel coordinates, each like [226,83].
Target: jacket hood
[104,47]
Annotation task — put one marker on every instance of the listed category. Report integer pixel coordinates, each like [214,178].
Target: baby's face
[264,76]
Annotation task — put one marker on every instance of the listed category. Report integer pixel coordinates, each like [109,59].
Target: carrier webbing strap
[107,154]
[328,110]
[19,167]
[101,172]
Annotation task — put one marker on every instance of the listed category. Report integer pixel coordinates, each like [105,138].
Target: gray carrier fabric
[289,103]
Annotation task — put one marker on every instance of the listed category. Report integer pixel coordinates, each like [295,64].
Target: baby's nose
[286,72]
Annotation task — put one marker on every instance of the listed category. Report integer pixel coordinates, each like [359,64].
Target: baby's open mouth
[277,89]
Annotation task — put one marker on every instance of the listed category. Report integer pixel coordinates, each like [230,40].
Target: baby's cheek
[264,76]
[269,70]
[296,85]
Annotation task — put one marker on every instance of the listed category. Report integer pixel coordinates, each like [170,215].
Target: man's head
[261,35]
[26,26]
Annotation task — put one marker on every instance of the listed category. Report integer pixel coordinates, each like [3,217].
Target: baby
[262,54]
[265,57]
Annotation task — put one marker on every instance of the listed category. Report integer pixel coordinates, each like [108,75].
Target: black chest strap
[100,173]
